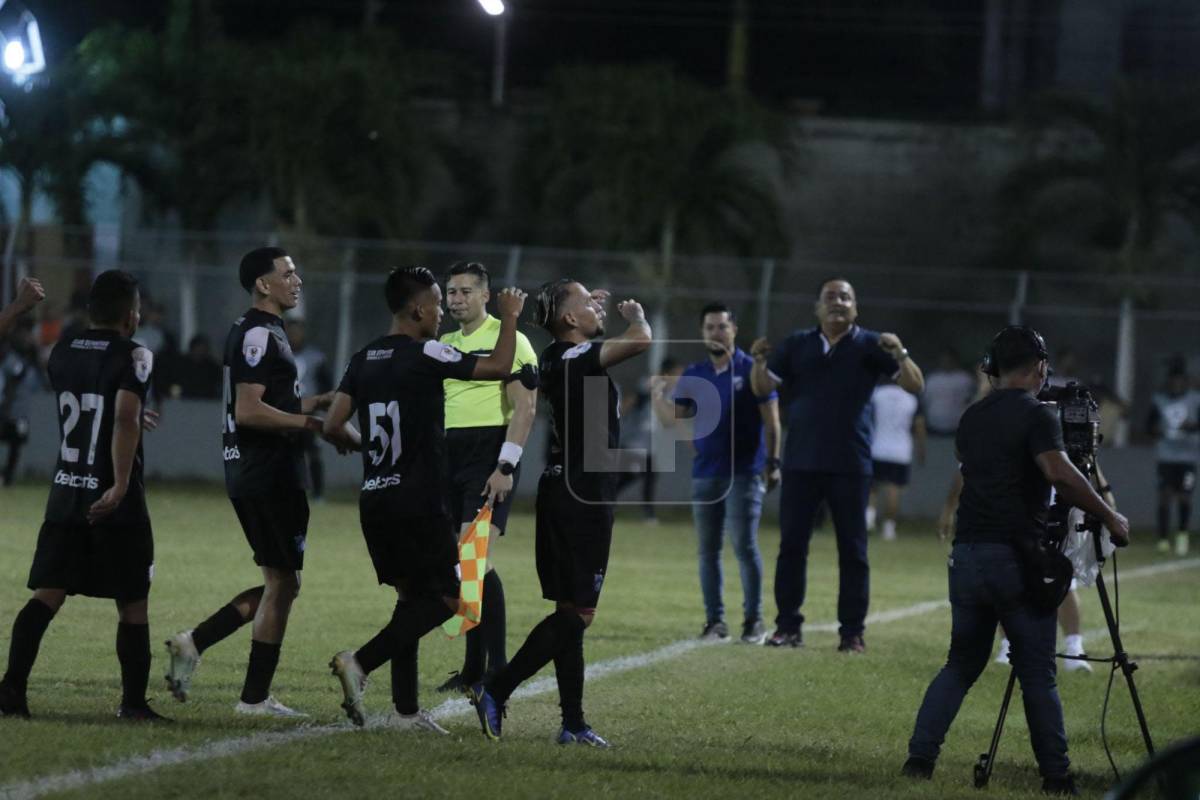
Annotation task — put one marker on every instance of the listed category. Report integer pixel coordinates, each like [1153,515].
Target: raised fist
[510,301]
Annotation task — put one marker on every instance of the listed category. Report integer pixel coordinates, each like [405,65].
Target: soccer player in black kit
[265,478]
[574,498]
[394,385]
[96,539]
[1010,447]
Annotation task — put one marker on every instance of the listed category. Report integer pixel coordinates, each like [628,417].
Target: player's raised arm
[498,364]
[127,429]
[29,294]
[762,382]
[635,340]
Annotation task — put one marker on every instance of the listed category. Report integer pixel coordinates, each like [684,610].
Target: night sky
[840,56]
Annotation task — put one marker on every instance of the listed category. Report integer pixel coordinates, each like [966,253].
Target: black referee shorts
[890,472]
[418,554]
[472,454]
[572,543]
[113,561]
[276,527]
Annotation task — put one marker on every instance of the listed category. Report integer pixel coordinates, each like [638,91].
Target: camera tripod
[1120,659]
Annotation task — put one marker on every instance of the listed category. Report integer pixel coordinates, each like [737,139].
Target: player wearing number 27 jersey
[394,386]
[96,538]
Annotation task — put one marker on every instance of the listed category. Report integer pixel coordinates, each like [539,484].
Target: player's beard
[599,330]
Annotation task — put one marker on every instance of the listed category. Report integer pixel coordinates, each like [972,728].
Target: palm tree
[643,158]
[1108,172]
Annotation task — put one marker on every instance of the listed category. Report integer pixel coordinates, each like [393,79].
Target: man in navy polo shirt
[828,374]
[734,465]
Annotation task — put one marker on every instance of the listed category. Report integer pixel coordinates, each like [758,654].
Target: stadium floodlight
[20,41]
[496,10]
[493,7]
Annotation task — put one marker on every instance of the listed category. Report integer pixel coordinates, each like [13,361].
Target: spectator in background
[948,392]
[636,435]
[899,436]
[20,379]
[735,464]
[196,375]
[1175,423]
[312,373]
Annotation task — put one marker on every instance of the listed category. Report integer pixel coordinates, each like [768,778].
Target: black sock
[1185,514]
[475,658]
[404,679]
[133,652]
[1164,519]
[410,621]
[264,658]
[494,625]
[223,623]
[544,642]
[28,629]
[568,669]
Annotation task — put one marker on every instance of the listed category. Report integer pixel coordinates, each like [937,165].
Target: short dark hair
[405,283]
[1016,347]
[549,299]
[717,308]
[470,268]
[257,263]
[111,297]
[832,279]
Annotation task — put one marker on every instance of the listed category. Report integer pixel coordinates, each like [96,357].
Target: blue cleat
[587,736]
[490,712]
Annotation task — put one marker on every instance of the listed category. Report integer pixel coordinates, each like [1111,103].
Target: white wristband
[511,453]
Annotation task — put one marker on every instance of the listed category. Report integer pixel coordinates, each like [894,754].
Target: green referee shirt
[480,404]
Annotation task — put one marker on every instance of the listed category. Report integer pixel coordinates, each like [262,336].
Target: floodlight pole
[500,56]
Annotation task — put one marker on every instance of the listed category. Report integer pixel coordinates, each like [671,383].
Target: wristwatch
[505,468]
[902,355]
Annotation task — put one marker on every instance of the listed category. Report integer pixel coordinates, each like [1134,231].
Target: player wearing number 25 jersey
[96,538]
[394,386]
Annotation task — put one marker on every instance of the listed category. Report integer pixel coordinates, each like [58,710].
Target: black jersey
[396,385]
[86,372]
[585,415]
[260,461]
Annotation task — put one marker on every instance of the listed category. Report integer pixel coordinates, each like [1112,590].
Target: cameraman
[1011,450]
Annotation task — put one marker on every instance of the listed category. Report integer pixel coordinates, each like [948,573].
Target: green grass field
[712,721]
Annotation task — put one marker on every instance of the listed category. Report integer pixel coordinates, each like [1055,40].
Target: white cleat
[183,658]
[1002,656]
[420,722]
[1181,543]
[1074,665]
[346,669]
[267,708]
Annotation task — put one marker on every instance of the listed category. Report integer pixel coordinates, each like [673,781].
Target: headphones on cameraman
[1031,337]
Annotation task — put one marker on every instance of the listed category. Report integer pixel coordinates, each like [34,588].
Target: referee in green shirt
[487,424]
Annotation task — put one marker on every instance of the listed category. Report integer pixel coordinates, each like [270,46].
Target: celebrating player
[574,498]
[394,385]
[487,424]
[29,294]
[96,538]
[264,476]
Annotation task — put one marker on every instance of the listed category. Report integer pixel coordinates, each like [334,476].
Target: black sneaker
[753,631]
[852,644]
[917,768]
[1060,786]
[784,639]
[715,632]
[454,683]
[140,713]
[12,702]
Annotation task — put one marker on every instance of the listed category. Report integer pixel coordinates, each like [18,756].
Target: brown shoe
[852,644]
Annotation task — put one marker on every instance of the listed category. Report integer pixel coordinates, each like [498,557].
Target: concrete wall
[187,446]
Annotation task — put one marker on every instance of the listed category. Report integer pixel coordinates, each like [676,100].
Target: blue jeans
[800,496]
[986,588]
[716,501]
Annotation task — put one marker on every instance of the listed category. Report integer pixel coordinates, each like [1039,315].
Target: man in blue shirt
[828,374]
[735,463]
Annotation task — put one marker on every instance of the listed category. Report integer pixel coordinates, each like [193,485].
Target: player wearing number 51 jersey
[394,385]
[96,538]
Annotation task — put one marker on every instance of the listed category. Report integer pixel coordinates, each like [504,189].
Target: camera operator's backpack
[1047,573]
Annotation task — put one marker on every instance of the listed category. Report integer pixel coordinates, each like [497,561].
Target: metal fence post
[1019,298]
[1123,378]
[514,265]
[187,303]
[764,295]
[345,330]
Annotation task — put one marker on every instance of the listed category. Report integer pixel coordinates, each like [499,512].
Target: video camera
[1079,414]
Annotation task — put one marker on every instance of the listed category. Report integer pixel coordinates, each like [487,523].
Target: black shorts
[1176,477]
[471,455]
[573,540]
[890,472]
[113,561]
[418,554]
[276,526]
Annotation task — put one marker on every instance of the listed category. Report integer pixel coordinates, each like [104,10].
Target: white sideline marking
[139,765]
